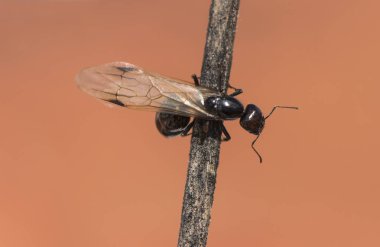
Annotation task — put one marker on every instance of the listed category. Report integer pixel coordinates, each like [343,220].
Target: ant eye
[252,120]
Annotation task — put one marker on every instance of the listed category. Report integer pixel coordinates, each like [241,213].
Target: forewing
[127,85]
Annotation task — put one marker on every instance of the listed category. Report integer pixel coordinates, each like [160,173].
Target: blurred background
[74,172]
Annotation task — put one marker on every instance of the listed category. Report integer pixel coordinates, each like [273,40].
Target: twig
[205,141]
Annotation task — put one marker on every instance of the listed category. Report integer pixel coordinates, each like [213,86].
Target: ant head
[253,119]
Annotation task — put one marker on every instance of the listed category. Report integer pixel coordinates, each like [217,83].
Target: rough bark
[206,137]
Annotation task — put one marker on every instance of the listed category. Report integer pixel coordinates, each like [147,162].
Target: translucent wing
[127,85]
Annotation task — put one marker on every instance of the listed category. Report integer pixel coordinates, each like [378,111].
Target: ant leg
[237,92]
[196,79]
[234,88]
[227,136]
[278,106]
[186,130]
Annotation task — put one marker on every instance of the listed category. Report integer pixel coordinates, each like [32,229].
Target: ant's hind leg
[187,129]
[227,136]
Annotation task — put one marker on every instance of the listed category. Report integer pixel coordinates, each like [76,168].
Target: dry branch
[205,141]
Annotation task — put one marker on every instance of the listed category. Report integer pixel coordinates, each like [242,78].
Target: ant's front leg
[237,92]
[234,88]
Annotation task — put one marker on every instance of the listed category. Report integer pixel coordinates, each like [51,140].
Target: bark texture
[205,141]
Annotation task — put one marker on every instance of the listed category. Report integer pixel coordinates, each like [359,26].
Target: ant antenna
[254,141]
[278,106]
[254,149]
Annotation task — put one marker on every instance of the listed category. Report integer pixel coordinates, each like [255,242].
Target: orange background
[76,173]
